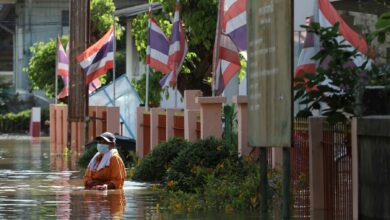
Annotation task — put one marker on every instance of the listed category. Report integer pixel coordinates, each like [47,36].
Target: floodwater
[35,185]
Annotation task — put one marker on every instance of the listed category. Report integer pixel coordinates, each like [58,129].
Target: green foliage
[154,88]
[155,165]
[41,67]
[382,27]
[102,19]
[207,174]
[199,19]
[87,156]
[233,184]
[19,122]
[189,168]
[4,96]
[335,83]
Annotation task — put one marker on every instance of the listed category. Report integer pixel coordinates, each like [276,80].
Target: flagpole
[114,63]
[56,75]
[147,65]
[175,75]
[215,81]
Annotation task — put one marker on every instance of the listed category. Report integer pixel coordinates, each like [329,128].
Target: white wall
[37,22]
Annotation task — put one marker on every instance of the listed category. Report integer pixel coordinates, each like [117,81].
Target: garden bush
[232,184]
[154,166]
[192,164]
[15,122]
[87,156]
[20,122]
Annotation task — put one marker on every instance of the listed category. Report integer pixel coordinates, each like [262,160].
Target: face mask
[102,148]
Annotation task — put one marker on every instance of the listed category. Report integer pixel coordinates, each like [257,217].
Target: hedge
[20,122]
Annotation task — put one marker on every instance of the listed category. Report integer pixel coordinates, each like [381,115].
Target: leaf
[304,113]
[299,94]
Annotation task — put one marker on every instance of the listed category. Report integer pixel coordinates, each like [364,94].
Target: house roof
[137,9]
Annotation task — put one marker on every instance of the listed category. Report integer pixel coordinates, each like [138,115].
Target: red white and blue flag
[62,69]
[326,15]
[177,50]
[226,61]
[98,58]
[234,22]
[157,54]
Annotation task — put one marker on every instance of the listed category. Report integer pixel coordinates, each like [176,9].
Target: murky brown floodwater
[35,185]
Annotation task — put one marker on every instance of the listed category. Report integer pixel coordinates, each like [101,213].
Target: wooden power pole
[78,95]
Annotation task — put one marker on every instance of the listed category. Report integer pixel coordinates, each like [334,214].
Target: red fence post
[146,133]
[140,132]
[154,112]
[162,129]
[178,125]
[170,127]
[52,129]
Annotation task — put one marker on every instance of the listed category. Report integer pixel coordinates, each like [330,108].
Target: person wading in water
[106,169]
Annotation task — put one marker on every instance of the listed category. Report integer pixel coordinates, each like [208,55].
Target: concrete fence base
[101,119]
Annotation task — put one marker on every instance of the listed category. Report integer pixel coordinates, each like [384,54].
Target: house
[25,22]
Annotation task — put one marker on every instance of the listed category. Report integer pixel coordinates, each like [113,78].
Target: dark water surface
[35,185]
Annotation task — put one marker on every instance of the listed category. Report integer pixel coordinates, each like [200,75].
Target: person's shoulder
[116,156]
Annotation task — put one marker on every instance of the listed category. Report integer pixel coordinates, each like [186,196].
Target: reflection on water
[35,185]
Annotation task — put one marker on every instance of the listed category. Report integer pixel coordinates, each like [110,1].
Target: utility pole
[78,94]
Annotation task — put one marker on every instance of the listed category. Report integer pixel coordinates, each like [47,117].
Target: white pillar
[132,62]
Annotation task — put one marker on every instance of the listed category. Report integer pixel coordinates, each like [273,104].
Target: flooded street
[35,185]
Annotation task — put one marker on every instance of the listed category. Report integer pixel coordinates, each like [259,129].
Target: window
[65,18]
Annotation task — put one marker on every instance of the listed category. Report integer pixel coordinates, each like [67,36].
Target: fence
[333,194]
[300,169]
[337,171]
[101,119]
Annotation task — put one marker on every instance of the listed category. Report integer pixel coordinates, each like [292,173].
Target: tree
[199,18]
[336,82]
[41,67]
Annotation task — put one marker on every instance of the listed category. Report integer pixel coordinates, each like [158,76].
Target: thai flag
[234,22]
[98,58]
[326,15]
[226,61]
[62,69]
[157,48]
[177,50]
[95,84]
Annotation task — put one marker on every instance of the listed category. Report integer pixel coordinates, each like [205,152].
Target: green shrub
[153,166]
[15,122]
[87,156]
[195,162]
[20,122]
[233,184]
